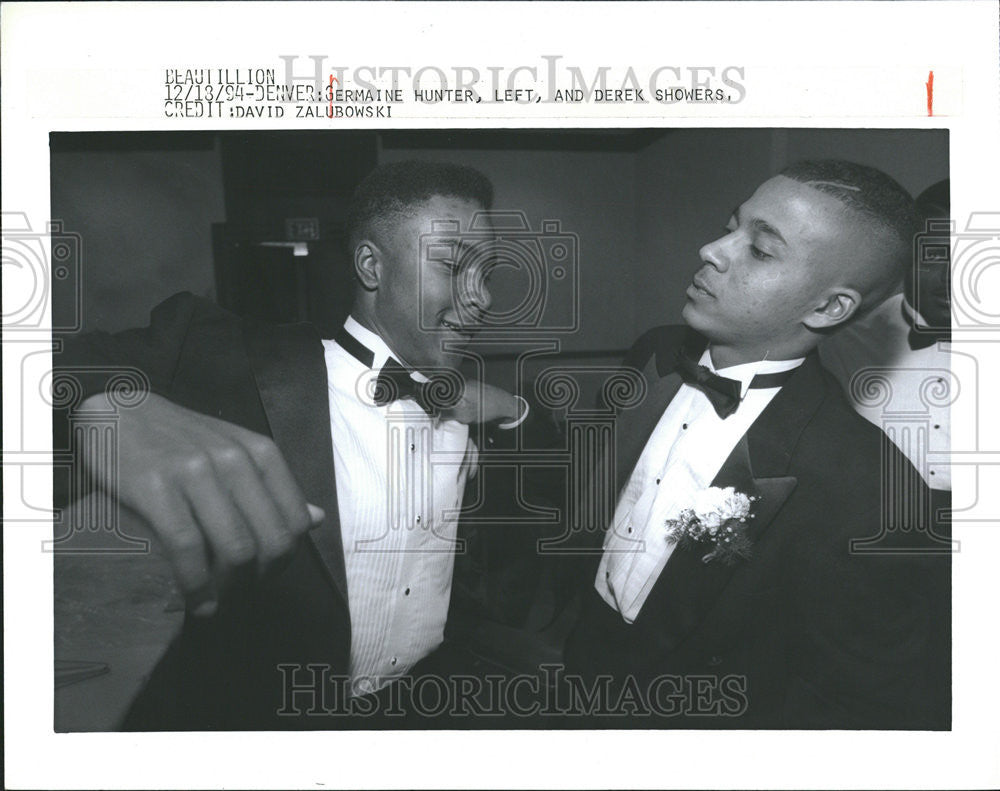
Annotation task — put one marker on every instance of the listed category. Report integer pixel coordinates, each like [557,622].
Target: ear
[837,308]
[368,264]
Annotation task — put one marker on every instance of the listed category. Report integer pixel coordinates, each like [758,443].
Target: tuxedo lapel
[688,585]
[657,361]
[634,427]
[290,371]
[758,466]
[606,473]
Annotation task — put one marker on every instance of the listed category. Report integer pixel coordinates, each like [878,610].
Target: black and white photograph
[523,429]
[499,394]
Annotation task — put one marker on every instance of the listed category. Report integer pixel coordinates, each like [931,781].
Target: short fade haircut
[395,189]
[879,201]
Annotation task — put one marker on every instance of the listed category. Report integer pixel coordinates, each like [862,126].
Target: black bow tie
[924,336]
[722,392]
[921,339]
[442,391]
[395,383]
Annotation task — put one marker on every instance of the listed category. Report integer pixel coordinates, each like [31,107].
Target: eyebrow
[762,226]
[458,245]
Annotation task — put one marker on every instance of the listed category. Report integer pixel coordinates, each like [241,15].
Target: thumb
[316,515]
[470,464]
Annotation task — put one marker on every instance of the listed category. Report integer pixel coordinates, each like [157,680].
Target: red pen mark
[930,93]
[329,113]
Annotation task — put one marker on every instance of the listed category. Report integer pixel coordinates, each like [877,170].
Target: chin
[445,362]
[690,316]
[704,326]
[452,363]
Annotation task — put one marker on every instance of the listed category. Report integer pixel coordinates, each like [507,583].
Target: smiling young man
[811,623]
[306,490]
[411,287]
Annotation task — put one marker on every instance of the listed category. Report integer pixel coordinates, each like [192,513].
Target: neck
[725,356]
[362,314]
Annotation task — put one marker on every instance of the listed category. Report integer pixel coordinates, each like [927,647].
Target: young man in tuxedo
[829,619]
[305,490]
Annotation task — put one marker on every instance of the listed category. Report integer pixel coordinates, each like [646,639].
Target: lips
[465,331]
[700,287]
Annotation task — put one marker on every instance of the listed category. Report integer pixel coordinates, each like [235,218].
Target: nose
[717,253]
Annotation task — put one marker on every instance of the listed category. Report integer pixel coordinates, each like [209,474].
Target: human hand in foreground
[216,495]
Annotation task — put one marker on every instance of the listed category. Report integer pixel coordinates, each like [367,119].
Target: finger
[316,515]
[138,525]
[208,488]
[171,520]
[272,469]
[471,461]
[203,603]
[252,504]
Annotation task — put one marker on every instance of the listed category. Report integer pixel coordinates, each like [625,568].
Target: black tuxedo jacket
[239,669]
[806,633]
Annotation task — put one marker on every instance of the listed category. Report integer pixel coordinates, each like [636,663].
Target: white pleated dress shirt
[683,455]
[400,477]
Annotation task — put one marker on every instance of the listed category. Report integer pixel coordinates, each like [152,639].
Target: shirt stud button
[413,447]
[406,592]
[393,661]
[684,426]
[418,519]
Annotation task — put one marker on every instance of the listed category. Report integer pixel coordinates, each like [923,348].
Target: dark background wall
[145,216]
[640,202]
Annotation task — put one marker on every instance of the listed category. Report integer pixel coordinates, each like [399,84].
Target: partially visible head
[415,301]
[813,247]
[928,277]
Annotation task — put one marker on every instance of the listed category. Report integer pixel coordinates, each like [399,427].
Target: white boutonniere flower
[718,519]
